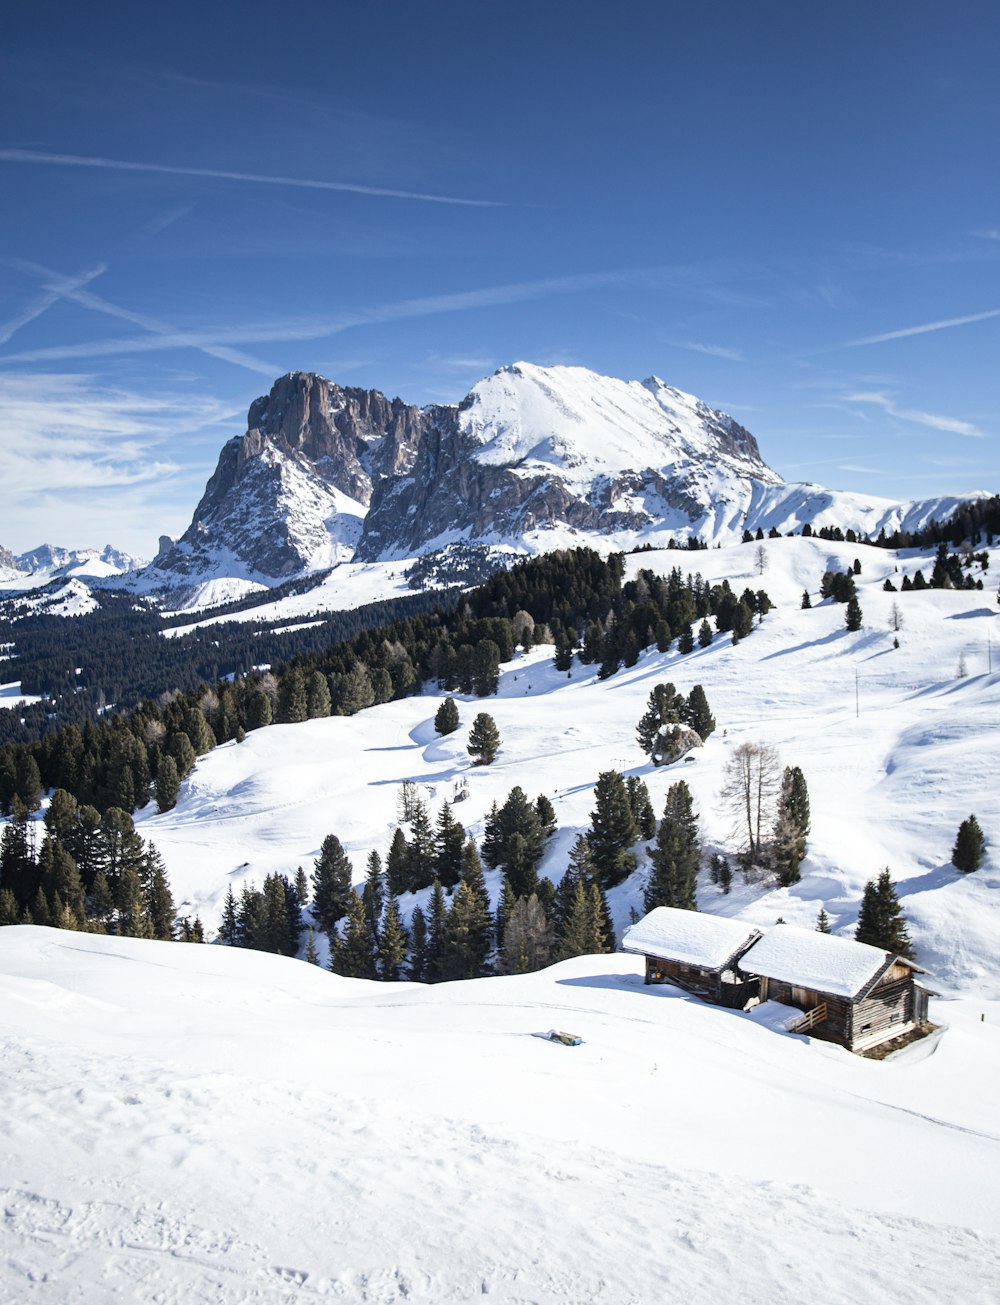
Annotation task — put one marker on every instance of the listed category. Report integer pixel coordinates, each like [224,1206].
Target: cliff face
[324,474]
[291,493]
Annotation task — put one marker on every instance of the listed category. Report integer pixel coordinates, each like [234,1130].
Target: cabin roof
[820,961]
[708,941]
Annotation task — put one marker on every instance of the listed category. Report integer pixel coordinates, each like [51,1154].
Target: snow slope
[207,1126]
[896,748]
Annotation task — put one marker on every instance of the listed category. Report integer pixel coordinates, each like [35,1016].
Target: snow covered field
[197,1124]
[896,748]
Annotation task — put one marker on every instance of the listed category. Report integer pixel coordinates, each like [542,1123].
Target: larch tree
[752,778]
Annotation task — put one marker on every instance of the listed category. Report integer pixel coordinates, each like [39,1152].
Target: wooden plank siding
[888,1010]
[835,1028]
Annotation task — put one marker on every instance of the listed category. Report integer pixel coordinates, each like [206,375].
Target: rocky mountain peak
[325,473]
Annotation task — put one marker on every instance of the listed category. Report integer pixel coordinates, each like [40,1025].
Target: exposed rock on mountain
[536,449]
[291,493]
[532,459]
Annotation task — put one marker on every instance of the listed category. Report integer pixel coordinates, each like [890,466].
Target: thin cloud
[943,325]
[713,350]
[270,332]
[43,302]
[221,174]
[71,289]
[66,437]
[952,425]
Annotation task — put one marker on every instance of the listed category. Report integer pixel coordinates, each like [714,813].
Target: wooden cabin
[695,952]
[849,993]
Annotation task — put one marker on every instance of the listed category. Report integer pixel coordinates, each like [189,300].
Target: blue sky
[790,210]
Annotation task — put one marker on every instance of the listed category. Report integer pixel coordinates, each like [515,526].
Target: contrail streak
[219,174]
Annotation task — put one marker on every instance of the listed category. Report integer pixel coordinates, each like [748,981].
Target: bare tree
[760,559]
[752,781]
[895,618]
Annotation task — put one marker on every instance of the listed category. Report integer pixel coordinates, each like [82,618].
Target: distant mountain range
[50,562]
[534,458]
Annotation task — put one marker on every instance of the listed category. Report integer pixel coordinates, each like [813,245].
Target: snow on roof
[814,960]
[688,936]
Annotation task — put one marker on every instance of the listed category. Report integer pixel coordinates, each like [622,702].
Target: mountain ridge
[532,458]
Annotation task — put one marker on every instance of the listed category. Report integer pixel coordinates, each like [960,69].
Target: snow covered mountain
[49,562]
[534,458]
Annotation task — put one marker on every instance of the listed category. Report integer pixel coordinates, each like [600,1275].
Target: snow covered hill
[208,1126]
[897,749]
[212,1126]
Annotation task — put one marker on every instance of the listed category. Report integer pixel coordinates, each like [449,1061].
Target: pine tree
[421,850]
[157,898]
[685,644]
[373,893]
[318,703]
[228,927]
[484,740]
[293,701]
[60,878]
[8,907]
[40,913]
[436,964]
[418,946]
[449,844]
[331,880]
[705,635]
[468,935]
[312,956]
[823,921]
[584,933]
[446,719]
[101,903]
[353,953]
[132,917]
[967,854]
[881,922]
[791,826]
[397,864]
[546,814]
[168,783]
[392,943]
[854,616]
[276,935]
[806,600]
[742,621]
[676,856]
[514,838]
[613,830]
[505,908]
[301,887]
[698,714]
[642,807]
